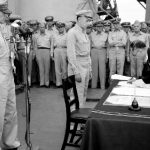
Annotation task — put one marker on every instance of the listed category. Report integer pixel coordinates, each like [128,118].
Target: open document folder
[124,93]
[120,77]
[117,100]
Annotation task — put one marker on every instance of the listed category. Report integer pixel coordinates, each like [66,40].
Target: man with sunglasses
[78,53]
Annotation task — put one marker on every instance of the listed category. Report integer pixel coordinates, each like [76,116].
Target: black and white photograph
[74,74]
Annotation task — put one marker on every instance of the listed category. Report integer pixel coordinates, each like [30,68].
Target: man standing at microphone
[78,53]
[8,112]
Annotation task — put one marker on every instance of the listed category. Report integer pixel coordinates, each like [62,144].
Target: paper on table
[125,84]
[120,77]
[140,83]
[127,101]
[130,91]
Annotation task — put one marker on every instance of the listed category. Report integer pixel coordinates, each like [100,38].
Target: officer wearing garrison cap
[117,40]
[98,55]
[78,53]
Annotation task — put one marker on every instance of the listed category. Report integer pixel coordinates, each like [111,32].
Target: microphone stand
[27,97]
[28,37]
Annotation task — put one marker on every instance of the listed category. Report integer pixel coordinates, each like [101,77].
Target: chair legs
[74,132]
[66,136]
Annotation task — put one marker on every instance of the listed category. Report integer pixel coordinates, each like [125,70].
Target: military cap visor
[99,25]
[33,22]
[60,25]
[107,24]
[49,18]
[85,13]
[126,24]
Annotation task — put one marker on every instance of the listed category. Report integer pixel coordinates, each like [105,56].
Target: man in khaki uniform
[42,44]
[137,55]
[59,48]
[78,53]
[126,27]
[49,20]
[98,55]
[117,40]
[8,112]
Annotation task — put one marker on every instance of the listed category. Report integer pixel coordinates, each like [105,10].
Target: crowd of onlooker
[42,46]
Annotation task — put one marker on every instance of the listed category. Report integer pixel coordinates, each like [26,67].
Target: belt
[118,46]
[99,48]
[43,48]
[60,47]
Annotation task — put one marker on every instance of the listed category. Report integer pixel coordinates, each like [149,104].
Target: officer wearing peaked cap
[126,27]
[59,48]
[116,20]
[107,26]
[117,40]
[98,55]
[126,24]
[78,53]
[51,30]
[42,47]
[49,20]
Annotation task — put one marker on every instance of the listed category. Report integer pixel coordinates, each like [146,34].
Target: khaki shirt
[6,31]
[99,40]
[78,48]
[43,40]
[60,40]
[117,38]
[4,48]
[134,37]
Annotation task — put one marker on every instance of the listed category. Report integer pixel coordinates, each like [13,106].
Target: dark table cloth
[117,132]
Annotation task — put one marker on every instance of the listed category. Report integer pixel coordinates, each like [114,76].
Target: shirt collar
[139,33]
[79,28]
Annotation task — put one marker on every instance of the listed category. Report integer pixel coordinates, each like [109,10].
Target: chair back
[68,85]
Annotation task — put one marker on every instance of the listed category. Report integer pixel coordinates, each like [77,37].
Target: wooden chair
[73,118]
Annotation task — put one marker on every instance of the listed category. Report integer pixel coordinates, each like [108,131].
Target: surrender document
[117,100]
[131,91]
[124,93]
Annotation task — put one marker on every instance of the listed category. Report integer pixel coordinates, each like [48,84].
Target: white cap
[86,13]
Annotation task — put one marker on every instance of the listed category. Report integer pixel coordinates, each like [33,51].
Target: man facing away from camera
[78,53]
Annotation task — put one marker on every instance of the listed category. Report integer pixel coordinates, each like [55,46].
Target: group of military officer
[48,45]
[61,50]
[112,43]
[122,45]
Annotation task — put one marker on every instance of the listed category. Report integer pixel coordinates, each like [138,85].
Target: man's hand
[90,75]
[78,77]
[52,55]
[128,59]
